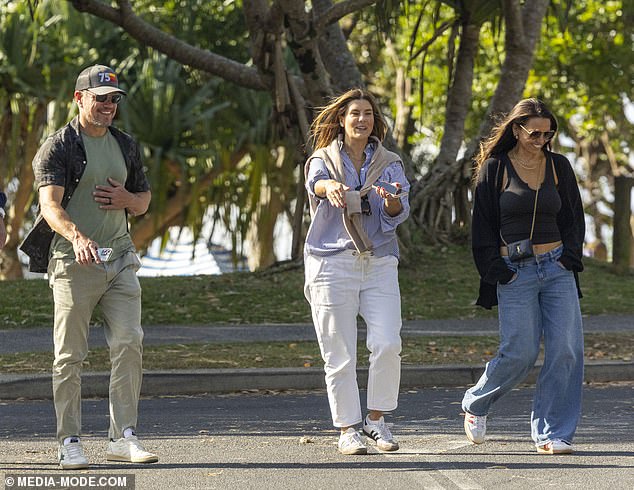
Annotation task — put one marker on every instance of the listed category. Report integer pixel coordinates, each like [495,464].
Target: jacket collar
[74,124]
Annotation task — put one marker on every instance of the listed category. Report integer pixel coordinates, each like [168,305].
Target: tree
[171,117]
[290,48]
[584,69]
[172,111]
[315,47]
[442,198]
[33,83]
[294,54]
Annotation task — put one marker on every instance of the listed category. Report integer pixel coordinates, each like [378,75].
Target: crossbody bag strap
[539,185]
[534,214]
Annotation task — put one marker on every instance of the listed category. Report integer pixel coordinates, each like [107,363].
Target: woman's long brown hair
[502,140]
[326,127]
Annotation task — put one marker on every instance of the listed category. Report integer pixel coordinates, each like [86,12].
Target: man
[89,177]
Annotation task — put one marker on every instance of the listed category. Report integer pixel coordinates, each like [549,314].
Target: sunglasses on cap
[114,98]
[535,135]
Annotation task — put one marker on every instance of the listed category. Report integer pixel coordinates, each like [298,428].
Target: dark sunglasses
[114,98]
[535,135]
[365,203]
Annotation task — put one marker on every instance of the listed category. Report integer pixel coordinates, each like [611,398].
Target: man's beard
[101,124]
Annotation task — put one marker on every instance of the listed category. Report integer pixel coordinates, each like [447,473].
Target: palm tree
[33,85]
[171,115]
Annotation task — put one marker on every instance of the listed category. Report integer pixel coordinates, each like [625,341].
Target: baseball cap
[99,79]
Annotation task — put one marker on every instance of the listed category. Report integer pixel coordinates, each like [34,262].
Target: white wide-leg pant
[339,288]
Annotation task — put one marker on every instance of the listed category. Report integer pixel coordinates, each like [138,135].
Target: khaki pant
[77,289]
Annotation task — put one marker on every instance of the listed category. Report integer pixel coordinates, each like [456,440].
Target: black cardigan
[485,225]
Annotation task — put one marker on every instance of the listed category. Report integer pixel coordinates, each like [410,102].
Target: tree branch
[171,46]
[437,33]
[339,10]
[333,48]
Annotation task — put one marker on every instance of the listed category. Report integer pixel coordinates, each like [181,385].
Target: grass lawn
[441,283]
[416,350]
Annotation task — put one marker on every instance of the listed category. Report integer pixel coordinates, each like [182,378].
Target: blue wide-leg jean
[540,302]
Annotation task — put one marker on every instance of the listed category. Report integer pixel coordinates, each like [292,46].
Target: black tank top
[517,202]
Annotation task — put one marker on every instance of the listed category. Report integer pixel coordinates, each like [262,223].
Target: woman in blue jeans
[527,237]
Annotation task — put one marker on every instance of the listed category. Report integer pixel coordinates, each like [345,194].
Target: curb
[193,382]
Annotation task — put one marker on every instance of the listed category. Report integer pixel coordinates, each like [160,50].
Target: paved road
[284,441]
[40,339]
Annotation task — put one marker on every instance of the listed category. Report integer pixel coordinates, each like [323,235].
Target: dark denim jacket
[61,160]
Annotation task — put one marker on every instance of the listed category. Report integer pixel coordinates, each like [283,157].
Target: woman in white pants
[351,260]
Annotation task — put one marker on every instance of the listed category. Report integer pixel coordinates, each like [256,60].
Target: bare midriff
[538,249]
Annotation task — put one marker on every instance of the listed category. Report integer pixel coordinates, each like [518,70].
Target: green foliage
[217,25]
[172,114]
[193,126]
[33,51]
[440,282]
[424,44]
[583,64]
[583,67]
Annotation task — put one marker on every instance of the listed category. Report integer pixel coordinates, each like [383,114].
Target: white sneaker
[350,443]
[556,446]
[475,426]
[129,450]
[380,432]
[71,455]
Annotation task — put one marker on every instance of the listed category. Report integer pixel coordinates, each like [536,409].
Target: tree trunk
[622,208]
[145,229]
[440,197]
[31,131]
[440,200]
[622,237]
[338,61]
[260,235]
[403,123]
[632,243]
[297,222]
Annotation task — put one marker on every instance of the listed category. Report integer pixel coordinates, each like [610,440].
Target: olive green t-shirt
[108,228]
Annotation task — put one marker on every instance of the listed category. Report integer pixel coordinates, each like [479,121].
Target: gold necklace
[522,163]
[357,161]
